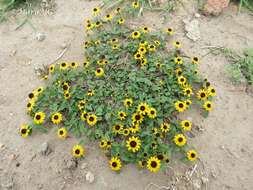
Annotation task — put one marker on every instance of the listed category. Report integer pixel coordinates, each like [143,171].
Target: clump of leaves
[127,94]
[240,67]
[246,3]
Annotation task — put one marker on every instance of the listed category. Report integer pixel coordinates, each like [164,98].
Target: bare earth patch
[224,141]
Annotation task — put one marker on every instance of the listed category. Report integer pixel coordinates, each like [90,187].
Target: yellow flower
[135,5]
[97,42]
[142,163]
[30,105]
[65,86]
[151,48]
[188,102]
[138,56]
[122,115]
[170,31]
[83,116]
[133,144]
[180,140]
[62,133]
[67,95]
[152,113]
[128,102]
[115,164]
[118,10]
[195,60]
[114,40]
[89,26]
[157,42]
[81,104]
[144,62]
[90,92]
[86,64]
[99,72]
[102,144]
[117,128]
[64,66]
[136,34]
[51,68]
[121,21]
[145,29]
[24,130]
[211,91]
[32,95]
[95,11]
[143,43]
[98,24]
[126,132]
[178,71]
[142,50]
[135,128]
[186,125]
[78,151]
[192,155]
[178,60]
[108,17]
[202,94]
[153,164]
[115,46]
[143,108]
[91,119]
[165,127]
[208,105]
[39,90]
[180,106]
[39,118]
[56,118]
[181,80]
[188,91]
[177,44]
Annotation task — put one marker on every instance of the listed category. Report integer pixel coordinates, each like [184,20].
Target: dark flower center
[186,124]
[193,155]
[182,79]
[152,112]
[109,143]
[56,117]
[23,131]
[91,118]
[169,29]
[98,70]
[31,95]
[121,115]
[177,43]
[153,164]
[195,59]
[202,95]
[181,105]
[180,139]
[61,132]
[95,9]
[213,91]
[65,87]
[133,144]
[73,64]
[38,117]
[160,157]
[102,143]
[114,164]
[142,108]
[63,64]
[29,105]
[135,33]
[137,117]
[188,91]
[77,151]
[145,154]
[117,127]
[208,105]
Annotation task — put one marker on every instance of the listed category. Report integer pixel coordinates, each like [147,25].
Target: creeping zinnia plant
[126,94]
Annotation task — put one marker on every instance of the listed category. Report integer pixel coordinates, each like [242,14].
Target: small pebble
[84,166]
[90,177]
[45,150]
[40,37]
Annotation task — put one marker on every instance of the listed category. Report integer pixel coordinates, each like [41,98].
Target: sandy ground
[224,143]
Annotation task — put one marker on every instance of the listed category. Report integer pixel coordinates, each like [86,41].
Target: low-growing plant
[126,94]
[240,67]
[246,3]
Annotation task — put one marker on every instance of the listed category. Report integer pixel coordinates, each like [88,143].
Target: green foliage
[246,3]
